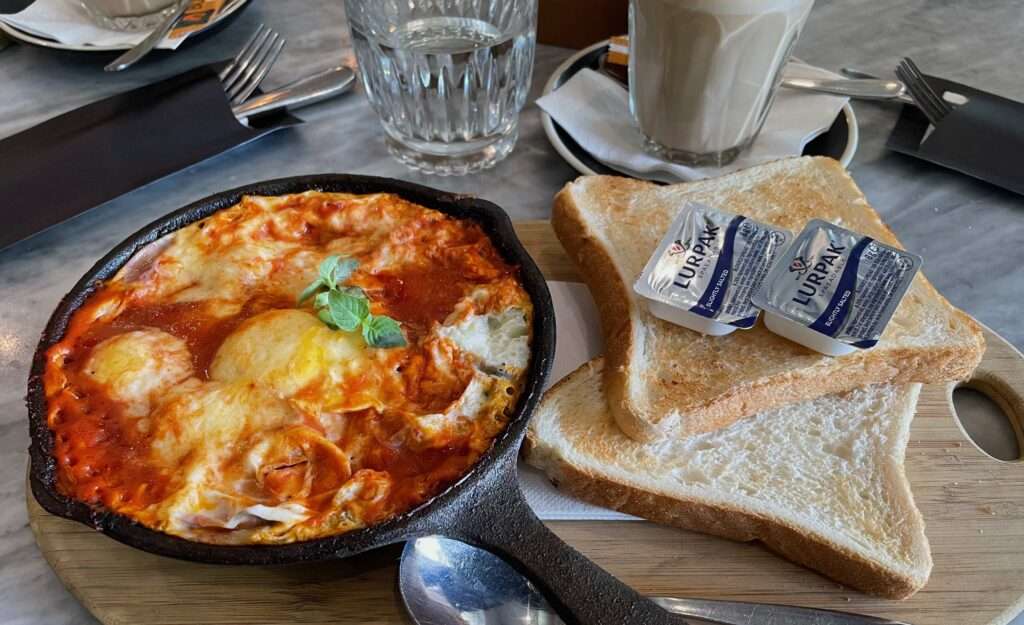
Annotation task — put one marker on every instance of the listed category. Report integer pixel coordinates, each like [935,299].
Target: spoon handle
[581,592]
[853,72]
[864,88]
[145,46]
[740,613]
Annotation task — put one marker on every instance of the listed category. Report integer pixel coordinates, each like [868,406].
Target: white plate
[844,128]
[25,37]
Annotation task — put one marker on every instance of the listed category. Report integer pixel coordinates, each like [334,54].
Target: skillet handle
[580,591]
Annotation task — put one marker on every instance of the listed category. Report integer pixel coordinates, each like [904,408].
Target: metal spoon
[955,99]
[145,46]
[865,89]
[444,581]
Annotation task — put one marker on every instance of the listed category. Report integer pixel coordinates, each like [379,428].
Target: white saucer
[25,37]
[839,142]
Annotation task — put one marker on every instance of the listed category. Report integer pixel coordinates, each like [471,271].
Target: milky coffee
[703,73]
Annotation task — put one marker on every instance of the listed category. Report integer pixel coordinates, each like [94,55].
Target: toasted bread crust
[900,366]
[793,543]
[613,301]
[692,413]
[831,560]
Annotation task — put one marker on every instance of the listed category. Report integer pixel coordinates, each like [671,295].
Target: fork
[933,106]
[251,65]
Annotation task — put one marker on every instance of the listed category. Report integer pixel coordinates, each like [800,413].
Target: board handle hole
[987,415]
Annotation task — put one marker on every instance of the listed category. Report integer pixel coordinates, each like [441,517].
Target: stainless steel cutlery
[144,47]
[241,77]
[446,581]
[251,65]
[954,99]
[864,88]
[931,104]
[301,92]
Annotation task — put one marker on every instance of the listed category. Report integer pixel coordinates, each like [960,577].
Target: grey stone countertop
[970,233]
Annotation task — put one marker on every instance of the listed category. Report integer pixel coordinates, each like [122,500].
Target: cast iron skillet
[485,507]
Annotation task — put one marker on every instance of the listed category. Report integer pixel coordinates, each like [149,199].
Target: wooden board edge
[35,512]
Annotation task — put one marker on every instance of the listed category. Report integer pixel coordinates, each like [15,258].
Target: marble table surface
[969,232]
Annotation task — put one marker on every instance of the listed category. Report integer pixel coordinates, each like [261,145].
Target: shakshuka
[289,368]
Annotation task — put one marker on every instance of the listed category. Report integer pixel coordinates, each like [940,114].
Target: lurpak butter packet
[706,268]
[835,290]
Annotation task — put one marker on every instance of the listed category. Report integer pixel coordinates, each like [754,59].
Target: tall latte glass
[703,73]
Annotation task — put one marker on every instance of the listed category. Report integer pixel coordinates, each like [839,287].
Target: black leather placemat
[14,6]
[983,138]
[80,159]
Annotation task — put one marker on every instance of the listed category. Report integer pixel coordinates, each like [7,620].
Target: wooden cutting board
[973,505]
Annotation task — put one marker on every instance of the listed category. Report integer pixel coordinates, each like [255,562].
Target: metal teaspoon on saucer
[447,582]
[862,88]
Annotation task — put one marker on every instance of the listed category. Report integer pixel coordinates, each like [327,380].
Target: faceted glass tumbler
[447,78]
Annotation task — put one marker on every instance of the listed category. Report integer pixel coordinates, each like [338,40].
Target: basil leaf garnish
[382,331]
[346,307]
[347,311]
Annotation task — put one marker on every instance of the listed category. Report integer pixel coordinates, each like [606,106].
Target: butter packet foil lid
[710,263]
[839,283]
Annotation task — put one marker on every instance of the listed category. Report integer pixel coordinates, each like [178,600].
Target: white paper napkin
[68,22]
[594,109]
[579,340]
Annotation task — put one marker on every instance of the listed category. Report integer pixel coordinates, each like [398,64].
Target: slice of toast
[664,380]
[820,482]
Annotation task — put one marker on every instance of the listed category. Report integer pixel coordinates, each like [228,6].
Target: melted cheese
[437,429]
[278,348]
[499,340]
[295,463]
[207,422]
[322,370]
[191,394]
[139,366]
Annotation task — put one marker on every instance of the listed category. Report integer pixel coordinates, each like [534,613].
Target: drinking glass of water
[447,79]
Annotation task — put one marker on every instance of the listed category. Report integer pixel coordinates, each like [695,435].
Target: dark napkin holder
[75,161]
[983,138]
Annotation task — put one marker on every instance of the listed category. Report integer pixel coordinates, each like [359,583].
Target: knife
[301,92]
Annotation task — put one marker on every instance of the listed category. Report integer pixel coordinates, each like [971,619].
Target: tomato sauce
[188,321]
[423,293]
[417,473]
[103,454]
[102,458]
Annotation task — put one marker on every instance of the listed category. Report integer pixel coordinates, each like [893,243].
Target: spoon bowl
[447,581]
